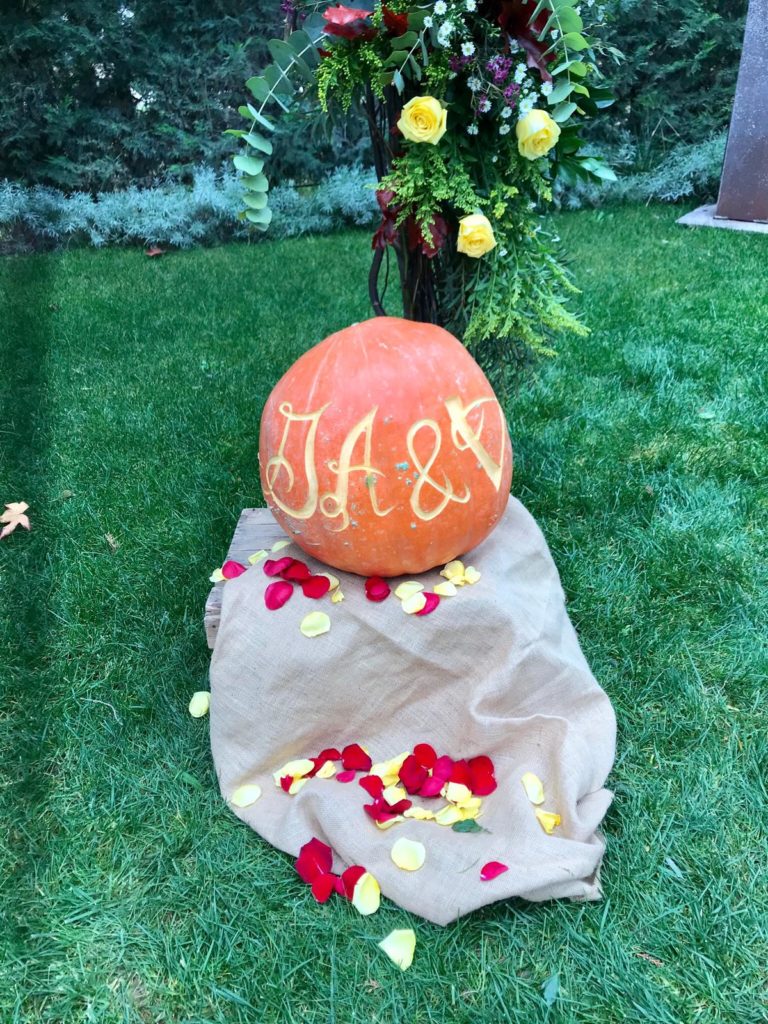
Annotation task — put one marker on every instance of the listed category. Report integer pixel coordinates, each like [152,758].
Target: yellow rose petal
[295,769]
[280,544]
[384,825]
[400,946]
[457,793]
[449,815]
[366,896]
[471,574]
[414,603]
[408,854]
[333,580]
[246,795]
[534,788]
[327,771]
[453,569]
[447,589]
[393,794]
[337,597]
[199,704]
[217,576]
[388,771]
[315,624]
[548,820]
[419,814]
[258,556]
[408,589]
[296,785]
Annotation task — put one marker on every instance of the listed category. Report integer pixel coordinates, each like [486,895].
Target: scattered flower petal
[246,795]
[457,793]
[296,571]
[231,570]
[414,603]
[276,566]
[315,859]
[295,769]
[388,771]
[534,788]
[548,820]
[354,757]
[348,776]
[337,597]
[431,601]
[349,879]
[471,574]
[400,946]
[316,586]
[412,774]
[460,773]
[448,815]
[408,589]
[315,624]
[433,786]
[443,767]
[277,594]
[333,580]
[296,785]
[482,780]
[394,794]
[384,823]
[492,870]
[257,556]
[279,545]
[285,783]
[408,854]
[366,895]
[372,785]
[326,771]
[446,589]
[453,570]
[425,754]
[323,886]
[217,576]
[200,703]
[329,754]
[419,814]
[377,589]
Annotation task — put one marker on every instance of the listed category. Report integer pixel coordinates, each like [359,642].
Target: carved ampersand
[334,504]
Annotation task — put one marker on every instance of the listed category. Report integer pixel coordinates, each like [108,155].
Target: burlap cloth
[495,670]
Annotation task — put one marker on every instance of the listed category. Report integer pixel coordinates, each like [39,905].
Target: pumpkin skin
[384,451]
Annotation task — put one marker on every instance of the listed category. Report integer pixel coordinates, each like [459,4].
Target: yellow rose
[475,235]
[423,120]
[537,133]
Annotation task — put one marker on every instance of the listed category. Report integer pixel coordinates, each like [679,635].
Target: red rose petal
[443,767]
[412,774]
[460,773]
[329,754]
[372,785]
[380,811]
[286,782]
[481,778]
[277,594]
[399,807]
[425,755]
[275,566]
[315,859]
[316,586]
[353,757]
[296,571]
[323,886]
[377,589]
[345,776]
[432,787]
[432,601]
[231,570]
[492,870]
[338,884]
[350,878]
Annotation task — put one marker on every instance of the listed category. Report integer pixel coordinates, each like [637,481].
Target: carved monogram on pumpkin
[334,504]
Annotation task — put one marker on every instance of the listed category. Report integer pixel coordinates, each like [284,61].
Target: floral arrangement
[474,108]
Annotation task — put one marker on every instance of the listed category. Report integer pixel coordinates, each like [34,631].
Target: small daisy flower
[520,72]
[546,89]
[441,7]
[502,253]
[472,129]
[474,83]
[504,130]
[494,159]
[484,105]
[444,33]
[471,5]
[428,22]
[526,105]
[506,112]
[467,49]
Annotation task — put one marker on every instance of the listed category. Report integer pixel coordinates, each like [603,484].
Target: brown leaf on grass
[154,250]
[113,544]
[651,959]
[13,517]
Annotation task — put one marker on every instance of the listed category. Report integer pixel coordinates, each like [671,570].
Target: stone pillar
[744,183]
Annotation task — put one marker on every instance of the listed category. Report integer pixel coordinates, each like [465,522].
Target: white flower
[472,129]
[494,159]
[471,5]
[546,89]
[484,105]
[467,49]
[526,105]
[555,34]
[520,72]
[444,33]
[506,112]
[428,23]
[441,7]
[504,130]
[502,253]
[474,83]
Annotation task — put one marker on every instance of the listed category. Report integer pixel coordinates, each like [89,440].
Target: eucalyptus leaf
[574,41]
[261,218]
[405,41]
[398,81]
[247,164]
[259,87]
[258,142]
[255,200]
[560,92]
[563,111]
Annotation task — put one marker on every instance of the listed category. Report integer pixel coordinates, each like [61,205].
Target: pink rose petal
[442,768]
[296,571]
[275,566]
[231,570]
[345,776]
[432,601]
[492,870]
[432,787]
[316,586]
[276,594]
[376,589]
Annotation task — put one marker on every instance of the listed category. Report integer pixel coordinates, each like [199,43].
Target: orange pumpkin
[384,450]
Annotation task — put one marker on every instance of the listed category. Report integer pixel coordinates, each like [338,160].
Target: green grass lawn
[130,392]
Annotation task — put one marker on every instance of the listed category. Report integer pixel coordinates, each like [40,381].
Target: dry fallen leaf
[13,517]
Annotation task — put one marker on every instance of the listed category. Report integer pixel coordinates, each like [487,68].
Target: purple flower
[499,68]
[458,62]
[510,93]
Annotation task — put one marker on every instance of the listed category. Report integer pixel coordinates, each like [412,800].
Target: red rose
[348,23]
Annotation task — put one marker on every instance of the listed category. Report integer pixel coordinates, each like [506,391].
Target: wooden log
[256,529]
